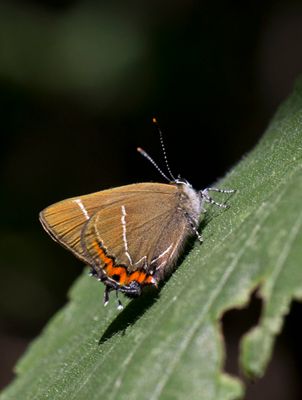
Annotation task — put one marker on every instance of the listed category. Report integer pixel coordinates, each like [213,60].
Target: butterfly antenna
[154,120]
[146,155]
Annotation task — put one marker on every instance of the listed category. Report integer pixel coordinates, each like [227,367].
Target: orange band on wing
[108,261]
[121,271]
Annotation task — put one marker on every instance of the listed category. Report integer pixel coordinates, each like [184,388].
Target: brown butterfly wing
[144,231]
[67,220]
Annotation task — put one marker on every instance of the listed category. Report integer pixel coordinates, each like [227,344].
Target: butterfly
[132,235]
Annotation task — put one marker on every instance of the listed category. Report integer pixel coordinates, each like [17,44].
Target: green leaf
[170,346]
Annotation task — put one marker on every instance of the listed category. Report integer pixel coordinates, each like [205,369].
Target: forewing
[65,220]
[144,231]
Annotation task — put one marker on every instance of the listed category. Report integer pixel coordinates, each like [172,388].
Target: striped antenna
[146,155]
[154,120]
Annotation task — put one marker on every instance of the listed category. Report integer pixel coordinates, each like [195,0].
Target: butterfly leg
[210,189]
[92,272]
[199,236]
[208,199]
[106,295]
[119,303]
[194,227]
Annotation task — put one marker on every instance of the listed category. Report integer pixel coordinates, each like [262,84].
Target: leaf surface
[170,346]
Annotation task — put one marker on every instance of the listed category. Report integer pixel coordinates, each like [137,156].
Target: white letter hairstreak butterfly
[132,235]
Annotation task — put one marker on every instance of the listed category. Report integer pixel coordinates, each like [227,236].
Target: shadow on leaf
[134,310]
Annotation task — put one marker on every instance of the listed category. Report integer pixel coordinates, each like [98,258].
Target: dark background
[79,84]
